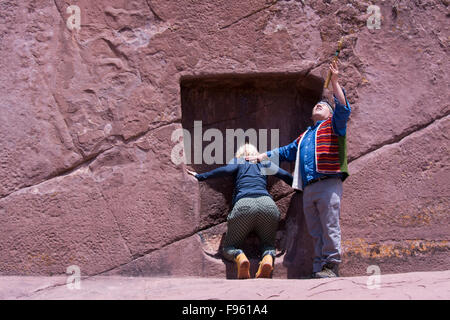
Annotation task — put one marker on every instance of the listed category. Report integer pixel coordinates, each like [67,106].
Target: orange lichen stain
[426,214]
[41,258]
[38,261]
[420,218]
[397,249]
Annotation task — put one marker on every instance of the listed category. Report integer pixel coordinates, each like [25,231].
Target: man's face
[321,112]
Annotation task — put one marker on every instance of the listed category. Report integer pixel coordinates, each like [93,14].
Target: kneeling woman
[253,209]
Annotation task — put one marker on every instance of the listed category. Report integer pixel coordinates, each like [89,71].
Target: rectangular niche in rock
[256,102]
[268,109]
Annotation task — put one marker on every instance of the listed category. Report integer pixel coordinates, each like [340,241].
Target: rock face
[88,115]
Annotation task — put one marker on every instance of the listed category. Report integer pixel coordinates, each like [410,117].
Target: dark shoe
[328,271]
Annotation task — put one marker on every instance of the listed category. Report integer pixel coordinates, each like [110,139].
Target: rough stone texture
[61,222]
[406,286]
[400,221]
[87,116]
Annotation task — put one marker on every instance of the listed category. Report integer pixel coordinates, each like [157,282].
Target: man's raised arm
[337,90]
[342,110]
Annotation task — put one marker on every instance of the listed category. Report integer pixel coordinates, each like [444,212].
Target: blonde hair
[246,150]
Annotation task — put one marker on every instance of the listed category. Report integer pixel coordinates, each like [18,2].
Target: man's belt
[319,179]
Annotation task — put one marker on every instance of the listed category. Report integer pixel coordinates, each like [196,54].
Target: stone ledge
[417,285]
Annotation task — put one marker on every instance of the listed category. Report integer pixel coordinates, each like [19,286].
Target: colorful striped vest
[331,153]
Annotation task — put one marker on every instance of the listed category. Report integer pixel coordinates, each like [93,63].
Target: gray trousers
[258,214]
[321,206]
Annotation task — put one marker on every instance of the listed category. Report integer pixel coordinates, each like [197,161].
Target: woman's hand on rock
[192,173]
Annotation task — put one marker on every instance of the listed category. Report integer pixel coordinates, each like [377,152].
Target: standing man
[320,157]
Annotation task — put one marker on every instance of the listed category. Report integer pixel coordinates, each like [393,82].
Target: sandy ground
[419,285]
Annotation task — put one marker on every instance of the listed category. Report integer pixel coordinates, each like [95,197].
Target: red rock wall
[86,176]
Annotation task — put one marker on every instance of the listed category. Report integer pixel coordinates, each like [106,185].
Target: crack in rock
[247,15]
[400,137]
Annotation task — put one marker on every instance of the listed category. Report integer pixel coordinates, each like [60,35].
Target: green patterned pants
[260,215]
